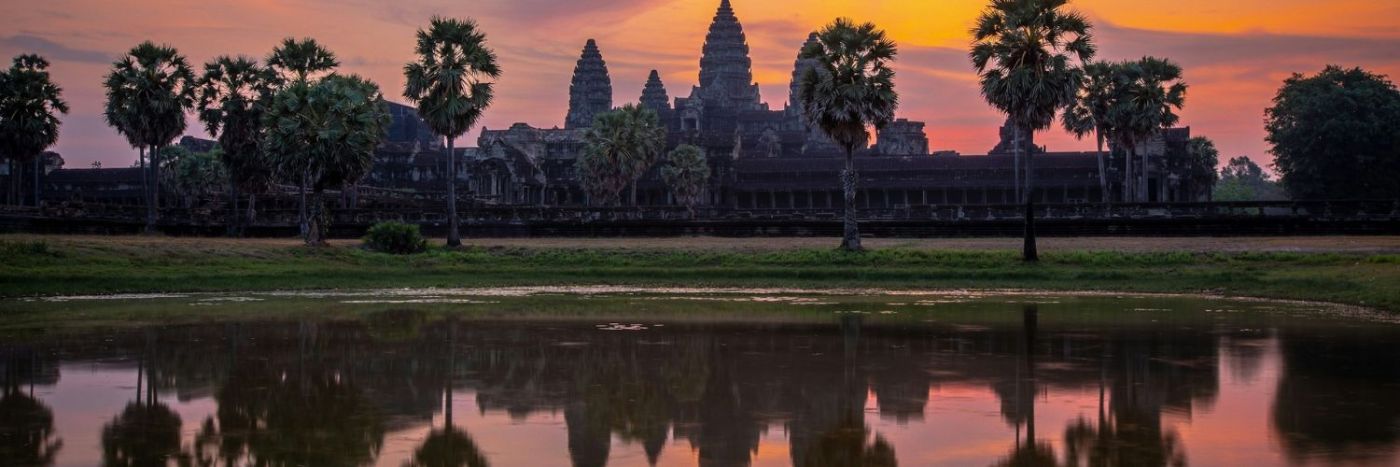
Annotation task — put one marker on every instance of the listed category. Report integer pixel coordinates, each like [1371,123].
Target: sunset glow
[1235,53]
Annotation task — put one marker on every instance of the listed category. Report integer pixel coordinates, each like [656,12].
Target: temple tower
[799,69]
[590,93]
[726,71]
[654,94]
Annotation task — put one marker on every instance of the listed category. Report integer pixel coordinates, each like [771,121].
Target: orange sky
[1236,53]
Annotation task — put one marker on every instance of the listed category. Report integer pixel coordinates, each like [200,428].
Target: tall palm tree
[1024,52]
[1152,92]
[451,82]
[849,88]
[622,145]
[300,61]
[29,106]
[1089,113]
[329,132]
[233,94]
[148,92]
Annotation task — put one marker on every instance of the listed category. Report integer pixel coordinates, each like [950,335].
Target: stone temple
[760,158]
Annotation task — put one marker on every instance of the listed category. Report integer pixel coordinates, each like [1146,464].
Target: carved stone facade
[590,93]
[903,138]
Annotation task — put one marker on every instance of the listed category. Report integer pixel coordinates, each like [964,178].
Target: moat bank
[1357,271]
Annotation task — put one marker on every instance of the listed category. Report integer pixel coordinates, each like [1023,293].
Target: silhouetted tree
[29,107]
[299,62]
[622,145]
[451,81]
[1337,135]
[1152,92]
[1025,52]
[148,92]
[686,172]
[1089,113]
[849,88]
[233,95]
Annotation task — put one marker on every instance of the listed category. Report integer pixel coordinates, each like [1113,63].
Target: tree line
[294,119]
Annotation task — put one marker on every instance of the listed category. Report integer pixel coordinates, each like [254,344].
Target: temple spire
[654,94]
[799,69]
[590,93]
[726,71]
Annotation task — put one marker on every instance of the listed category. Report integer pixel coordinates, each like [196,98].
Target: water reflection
[395,387]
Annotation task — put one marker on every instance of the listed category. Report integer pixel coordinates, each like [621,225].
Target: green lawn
[35,265]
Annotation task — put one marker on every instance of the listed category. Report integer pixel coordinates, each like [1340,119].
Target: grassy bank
[84,265]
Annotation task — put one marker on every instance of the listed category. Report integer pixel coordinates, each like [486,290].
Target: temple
[760,158]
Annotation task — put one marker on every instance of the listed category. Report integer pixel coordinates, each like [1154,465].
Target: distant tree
[299,61]
[142,434]
[329,132]
[1336,135]
[848,89]
[27,435]
[1199,166]
[622,145]
[29,106]
[1025,52]
[192,176]
[451,82]
[148,92]
[233,94]
[1152,92]
[686,172]
[1243,180]
[1089,114]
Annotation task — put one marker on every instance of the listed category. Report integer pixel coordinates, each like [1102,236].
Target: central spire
[726,72]
[590,93]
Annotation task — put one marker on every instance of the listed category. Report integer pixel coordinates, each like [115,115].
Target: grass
[35,265]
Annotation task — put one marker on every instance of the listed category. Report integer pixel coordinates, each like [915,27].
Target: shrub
[395,238]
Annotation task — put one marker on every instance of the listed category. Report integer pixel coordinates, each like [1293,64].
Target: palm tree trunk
[38,169]
[1103,177]
[634,193]
[1144,189]
[232,208]
[302,221]
[1029,253]
[252,209]
[454,233]
[850,237]
[1128,156]
[153,185]
[145,181]
[315,228]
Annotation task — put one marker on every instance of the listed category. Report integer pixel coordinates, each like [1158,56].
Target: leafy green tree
[1024,52]
[29,106]
[233,94]
[192,176]
[621,147]
[686,172]
[848,89]
[1336,135]
[451,82]
[327,131]
[1089,113]
[148,92]
[299,61]
[1243,180]
[1152,92]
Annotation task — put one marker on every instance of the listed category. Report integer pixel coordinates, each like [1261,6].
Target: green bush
[395,238]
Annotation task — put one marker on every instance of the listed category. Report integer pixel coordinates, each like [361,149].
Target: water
[688,377]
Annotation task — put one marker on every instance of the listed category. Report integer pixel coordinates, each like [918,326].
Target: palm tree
[849,88]
[148,92]
[686,172]
[622,145]
[1023,51]
[29,106]
[1152,91]
[299,61]
[450,81]
[233,94]
[1089,113]
[328,132]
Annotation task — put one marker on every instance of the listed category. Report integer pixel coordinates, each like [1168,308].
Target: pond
[636,377]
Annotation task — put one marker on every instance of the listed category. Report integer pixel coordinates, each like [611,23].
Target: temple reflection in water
[401,388]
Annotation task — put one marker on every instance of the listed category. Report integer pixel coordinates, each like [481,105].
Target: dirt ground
[1383,244]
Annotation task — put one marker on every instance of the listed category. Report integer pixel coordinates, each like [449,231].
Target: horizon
[1235,56]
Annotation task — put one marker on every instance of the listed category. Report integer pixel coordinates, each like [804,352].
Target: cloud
[26,43]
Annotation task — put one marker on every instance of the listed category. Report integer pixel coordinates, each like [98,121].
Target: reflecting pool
[624,377]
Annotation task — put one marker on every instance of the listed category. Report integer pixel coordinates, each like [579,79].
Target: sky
[1236,53]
